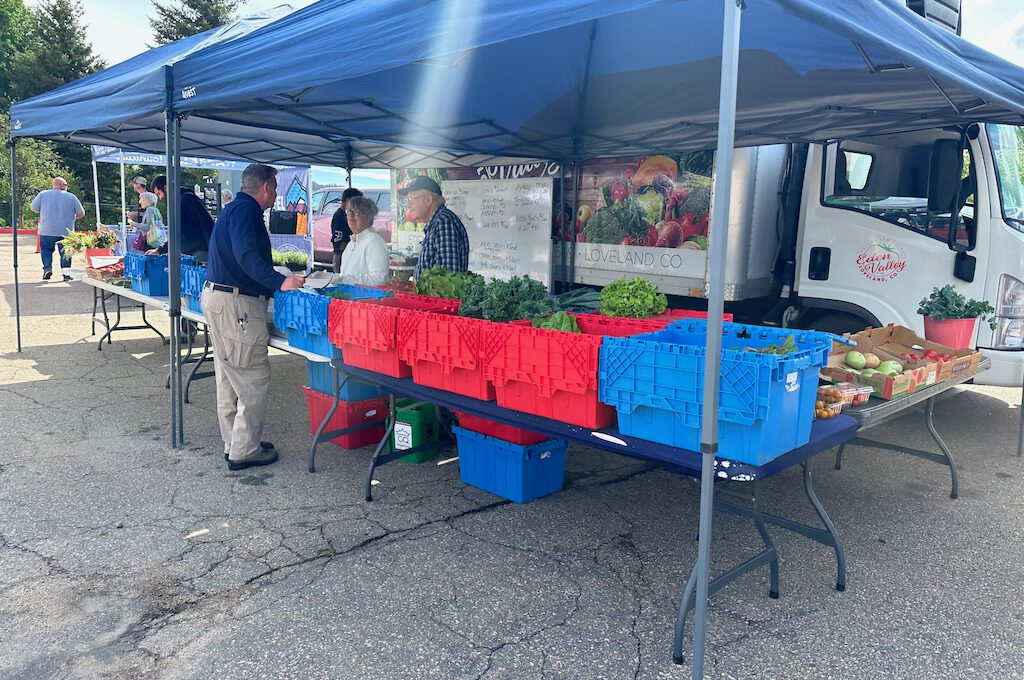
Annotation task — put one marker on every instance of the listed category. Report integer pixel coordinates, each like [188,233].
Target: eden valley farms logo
[881,261]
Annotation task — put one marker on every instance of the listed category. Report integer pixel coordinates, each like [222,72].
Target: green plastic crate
[416,424]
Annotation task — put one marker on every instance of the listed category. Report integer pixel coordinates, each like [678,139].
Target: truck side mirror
[944,174]
[964,266]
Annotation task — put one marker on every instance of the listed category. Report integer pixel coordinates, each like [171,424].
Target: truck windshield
[1008,152]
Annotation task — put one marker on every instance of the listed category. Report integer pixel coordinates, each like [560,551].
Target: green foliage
[293,260]
[632,298]
[559,321]
[579,300]
[947,303]
[502,301]
[15,22]
[79,241]
[177,20]
[57,51]
[439,282]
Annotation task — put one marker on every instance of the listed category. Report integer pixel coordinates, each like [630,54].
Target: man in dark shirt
[196,223]
[341,235]
[240,278]
[445,241]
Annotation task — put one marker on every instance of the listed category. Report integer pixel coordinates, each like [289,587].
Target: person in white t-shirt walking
[58,210]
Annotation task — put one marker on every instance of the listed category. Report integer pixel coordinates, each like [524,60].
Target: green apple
[855,359]
[890,368]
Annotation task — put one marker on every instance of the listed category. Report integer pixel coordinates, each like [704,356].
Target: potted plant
[102,243]
[950,317]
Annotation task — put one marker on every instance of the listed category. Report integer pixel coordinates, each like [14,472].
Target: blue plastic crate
[319,373]
[147,272]
[766,401]
[193,277]
[518,473]
[189,261]
[302,316]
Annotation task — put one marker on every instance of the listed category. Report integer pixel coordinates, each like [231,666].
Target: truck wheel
[838,324]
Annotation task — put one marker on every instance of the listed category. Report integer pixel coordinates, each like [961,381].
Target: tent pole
[174,275]
[96,191]
[716,304]
[570,282]
[15,212]
[563,248]
[124,200]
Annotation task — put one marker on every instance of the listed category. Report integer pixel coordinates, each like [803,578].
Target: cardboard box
[885,387]
[897,340]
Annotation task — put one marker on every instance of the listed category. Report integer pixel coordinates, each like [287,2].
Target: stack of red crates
[348,414]
[367,330]
[553,373]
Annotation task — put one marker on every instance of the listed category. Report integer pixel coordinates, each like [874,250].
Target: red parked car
[327,201]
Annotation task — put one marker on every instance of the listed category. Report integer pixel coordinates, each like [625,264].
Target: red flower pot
[955,333]
[95,252]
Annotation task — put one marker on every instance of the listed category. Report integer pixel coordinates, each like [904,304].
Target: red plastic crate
[546,372]
[367,330]
[349,414]
[445,352]
[507,433]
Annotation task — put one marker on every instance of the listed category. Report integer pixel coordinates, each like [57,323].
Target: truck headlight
[1009,332]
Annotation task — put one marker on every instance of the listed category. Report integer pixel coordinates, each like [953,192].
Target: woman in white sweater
[365,261]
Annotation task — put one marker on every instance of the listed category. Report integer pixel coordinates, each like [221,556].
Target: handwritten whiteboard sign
[509,225]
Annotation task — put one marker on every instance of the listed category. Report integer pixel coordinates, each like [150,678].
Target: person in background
[365,261]
[240,279]
[196,223]
[139,184]
[445,241]
[225,197]
[341,235]
[58,210]
[152,233]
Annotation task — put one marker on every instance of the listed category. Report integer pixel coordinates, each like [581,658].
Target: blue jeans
[46,245]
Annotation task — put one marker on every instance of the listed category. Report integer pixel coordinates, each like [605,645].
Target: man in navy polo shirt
[240,278]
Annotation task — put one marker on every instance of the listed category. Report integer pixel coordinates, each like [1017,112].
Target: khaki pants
[238,326]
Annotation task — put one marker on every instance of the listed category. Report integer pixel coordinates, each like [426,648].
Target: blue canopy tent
[569,80]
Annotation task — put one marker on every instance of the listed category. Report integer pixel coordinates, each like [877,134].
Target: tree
[57,51]
[38,164]
[177,20]
[15,22]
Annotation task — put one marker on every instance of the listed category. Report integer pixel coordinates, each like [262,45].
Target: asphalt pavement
[120,557]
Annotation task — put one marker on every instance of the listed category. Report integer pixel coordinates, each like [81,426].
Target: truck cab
[884,219]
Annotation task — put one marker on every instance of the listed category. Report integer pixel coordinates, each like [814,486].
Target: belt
[231,289]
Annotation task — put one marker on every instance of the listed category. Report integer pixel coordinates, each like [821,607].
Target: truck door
[876,226]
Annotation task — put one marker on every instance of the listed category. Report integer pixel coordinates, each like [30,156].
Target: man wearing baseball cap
[139,184]
[445,241]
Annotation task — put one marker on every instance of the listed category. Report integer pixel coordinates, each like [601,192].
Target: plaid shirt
[445,242]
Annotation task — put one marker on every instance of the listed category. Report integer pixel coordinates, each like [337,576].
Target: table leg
[95,293]
[839,457]
[106,319]
[768,556]
[336,390]
[152,327]
[929,419]
[827,521]
[380,447]
[199,362]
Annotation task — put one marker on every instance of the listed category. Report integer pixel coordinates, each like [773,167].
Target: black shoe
[264,457]
[47,275]
[266,446]
[67,278]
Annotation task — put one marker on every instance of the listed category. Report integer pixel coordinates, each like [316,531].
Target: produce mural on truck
[650,202]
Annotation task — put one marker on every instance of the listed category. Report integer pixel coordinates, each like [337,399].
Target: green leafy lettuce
[559,321]
[633,298]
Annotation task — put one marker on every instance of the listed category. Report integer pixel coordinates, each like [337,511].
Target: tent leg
[124,200]
[174,276]
[716,304]
[14,236]
[96,192]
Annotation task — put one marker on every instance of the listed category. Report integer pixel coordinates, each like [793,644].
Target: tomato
[627,240]
[930,354]
[652,236]
[689,226]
